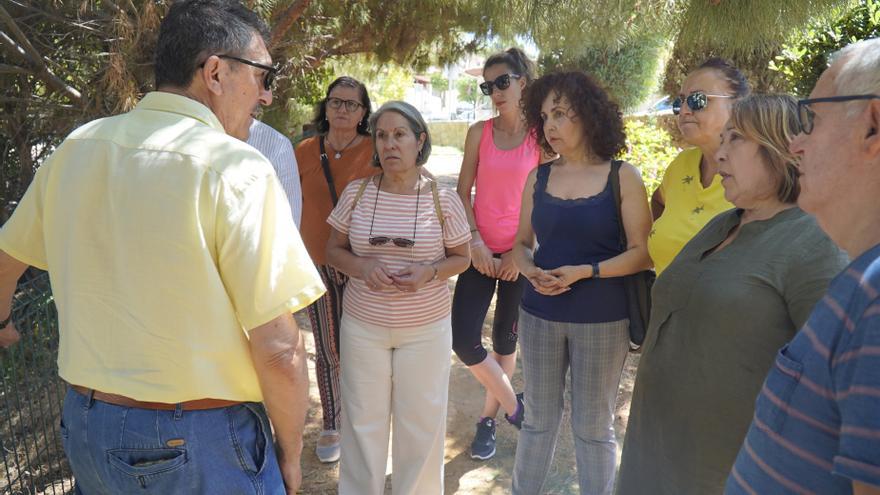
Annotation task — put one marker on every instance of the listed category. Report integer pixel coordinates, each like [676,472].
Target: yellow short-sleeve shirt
[688,207]
[165,240]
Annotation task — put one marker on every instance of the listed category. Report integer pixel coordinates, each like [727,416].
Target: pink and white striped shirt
[395,215]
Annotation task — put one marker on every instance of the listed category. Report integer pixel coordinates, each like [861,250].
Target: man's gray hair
[859,73]
[416,124]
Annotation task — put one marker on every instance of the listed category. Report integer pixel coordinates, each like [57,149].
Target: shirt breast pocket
[772,404]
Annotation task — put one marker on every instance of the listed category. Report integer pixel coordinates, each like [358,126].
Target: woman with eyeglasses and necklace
[328,162]
[691,194]
[499,153]
[574,317]
[735,295]
[398,237]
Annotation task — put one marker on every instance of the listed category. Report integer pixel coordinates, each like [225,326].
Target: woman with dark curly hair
[574,313]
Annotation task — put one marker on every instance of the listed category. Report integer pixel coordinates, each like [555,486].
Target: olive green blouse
[717,322]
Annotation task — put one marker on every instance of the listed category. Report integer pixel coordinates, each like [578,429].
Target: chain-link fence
[31,393]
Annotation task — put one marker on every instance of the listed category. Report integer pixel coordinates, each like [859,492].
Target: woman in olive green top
[736,293]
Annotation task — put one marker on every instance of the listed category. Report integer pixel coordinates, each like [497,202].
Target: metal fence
[31,393]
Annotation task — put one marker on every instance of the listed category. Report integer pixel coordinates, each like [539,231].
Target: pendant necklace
[338,154]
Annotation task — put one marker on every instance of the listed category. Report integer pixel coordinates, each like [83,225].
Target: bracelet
[474,230]
[478,242]
[436,272]
[6,322]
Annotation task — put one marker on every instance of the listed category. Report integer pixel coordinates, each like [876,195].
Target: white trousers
[393,378]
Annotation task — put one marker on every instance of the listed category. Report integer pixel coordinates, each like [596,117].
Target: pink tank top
[501,177]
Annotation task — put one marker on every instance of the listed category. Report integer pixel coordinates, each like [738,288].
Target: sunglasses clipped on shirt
[806,114]
[501,82]
[271,71]
[696,101]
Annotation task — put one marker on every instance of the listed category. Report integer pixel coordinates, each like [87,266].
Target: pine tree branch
[286,19]
[26,50]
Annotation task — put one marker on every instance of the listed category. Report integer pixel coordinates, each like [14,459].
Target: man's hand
[292,474]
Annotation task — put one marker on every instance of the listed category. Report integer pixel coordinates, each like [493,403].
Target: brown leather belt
[121,400]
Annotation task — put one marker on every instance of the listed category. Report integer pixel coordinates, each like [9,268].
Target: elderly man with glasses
[175,265]
[816,427]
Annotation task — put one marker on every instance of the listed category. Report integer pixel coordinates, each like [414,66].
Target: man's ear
[210,75]
[872,138]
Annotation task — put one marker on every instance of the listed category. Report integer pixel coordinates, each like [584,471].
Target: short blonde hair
[772,122]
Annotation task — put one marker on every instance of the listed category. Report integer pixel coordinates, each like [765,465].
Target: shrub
[651,149]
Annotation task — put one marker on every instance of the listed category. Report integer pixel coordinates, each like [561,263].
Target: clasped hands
[556,281]
[410,278]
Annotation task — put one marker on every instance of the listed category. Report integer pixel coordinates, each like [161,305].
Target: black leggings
[473,293]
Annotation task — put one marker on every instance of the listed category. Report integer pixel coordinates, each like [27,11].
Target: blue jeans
[119,450]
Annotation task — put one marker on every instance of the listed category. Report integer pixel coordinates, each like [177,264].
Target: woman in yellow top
[691,194]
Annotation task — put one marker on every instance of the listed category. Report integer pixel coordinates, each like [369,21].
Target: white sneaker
[328,453]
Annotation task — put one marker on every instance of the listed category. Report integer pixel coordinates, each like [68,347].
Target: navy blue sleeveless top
[576,232]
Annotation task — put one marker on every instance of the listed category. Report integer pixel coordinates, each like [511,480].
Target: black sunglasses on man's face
[271,71]
[806,114]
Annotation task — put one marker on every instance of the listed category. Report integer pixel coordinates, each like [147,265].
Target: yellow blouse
[688,207]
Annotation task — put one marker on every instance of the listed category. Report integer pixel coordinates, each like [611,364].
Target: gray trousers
[595,353]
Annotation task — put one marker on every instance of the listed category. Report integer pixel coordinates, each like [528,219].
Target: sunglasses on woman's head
[696,101]
[501,82]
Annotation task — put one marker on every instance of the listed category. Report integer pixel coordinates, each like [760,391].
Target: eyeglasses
[501,82]
[806,114]
[271,71]
[398,241]
[337,103]
[696,101]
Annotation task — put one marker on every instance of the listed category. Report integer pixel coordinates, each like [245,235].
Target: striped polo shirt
[817,419]
[397,215]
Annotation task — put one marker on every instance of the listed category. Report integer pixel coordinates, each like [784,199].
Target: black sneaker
[483,446]
[520,412]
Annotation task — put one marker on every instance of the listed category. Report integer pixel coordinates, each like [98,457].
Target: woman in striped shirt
[398,237]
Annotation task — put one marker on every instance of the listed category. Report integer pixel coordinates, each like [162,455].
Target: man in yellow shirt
[175,266]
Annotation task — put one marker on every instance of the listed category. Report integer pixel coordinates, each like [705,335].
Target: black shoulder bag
[638,285]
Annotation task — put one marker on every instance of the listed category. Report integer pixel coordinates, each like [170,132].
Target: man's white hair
[859,73]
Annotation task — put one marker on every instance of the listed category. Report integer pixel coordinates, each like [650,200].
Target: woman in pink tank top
[498,156]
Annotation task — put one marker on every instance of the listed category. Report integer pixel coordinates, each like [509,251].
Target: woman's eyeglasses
[501,82]
[337,103]
[696,101]
[271,71]
[398,241]
[806,114]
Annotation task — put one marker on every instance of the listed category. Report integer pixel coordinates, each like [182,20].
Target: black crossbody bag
[638,285]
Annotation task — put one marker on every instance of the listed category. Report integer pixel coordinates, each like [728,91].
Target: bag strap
[437,209]
[325,164]
[360,192]
[614,177]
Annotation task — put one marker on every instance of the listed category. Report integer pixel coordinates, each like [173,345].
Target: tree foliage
[628,72]
[802,61]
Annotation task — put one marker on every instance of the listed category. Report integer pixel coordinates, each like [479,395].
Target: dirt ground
[464,475]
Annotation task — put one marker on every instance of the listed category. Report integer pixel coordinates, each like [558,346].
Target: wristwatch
[596,270]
